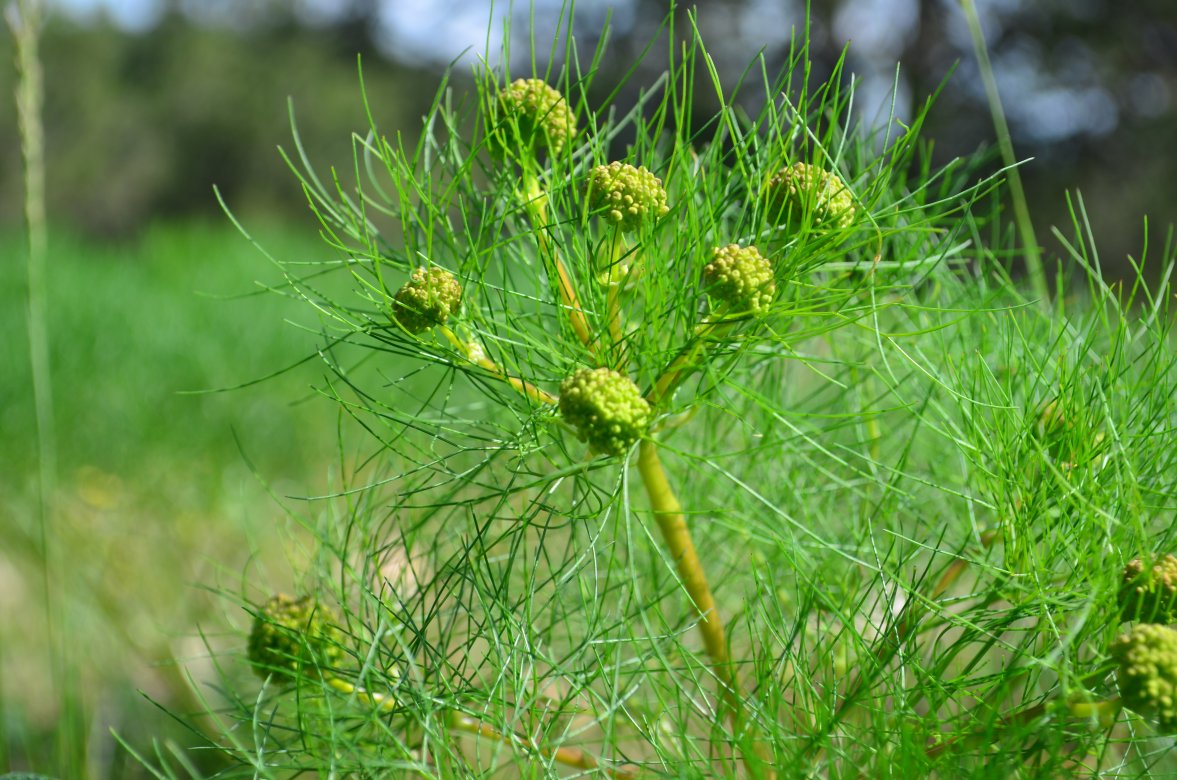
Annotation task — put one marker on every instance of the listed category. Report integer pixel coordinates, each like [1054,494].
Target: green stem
[474,353]
[614,279]
[26,26]
[1021,210]
[673,525]
[536,202]
[460,721]
[668,514]
[616,333]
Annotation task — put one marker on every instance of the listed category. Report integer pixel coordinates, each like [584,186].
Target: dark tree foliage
[142,125]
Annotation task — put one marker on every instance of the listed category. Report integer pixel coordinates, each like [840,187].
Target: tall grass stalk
[25,19]
[1032,253]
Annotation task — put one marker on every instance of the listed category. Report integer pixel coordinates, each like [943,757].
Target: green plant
[855,525]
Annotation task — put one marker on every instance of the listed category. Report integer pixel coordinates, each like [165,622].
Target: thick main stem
[668,514]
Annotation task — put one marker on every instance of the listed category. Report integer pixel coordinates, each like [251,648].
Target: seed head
[802,190]
[293,636]
[1149,592]
[740,278]
[539,112]
[606,409]
[626,196]
[1148,672]
[429,298]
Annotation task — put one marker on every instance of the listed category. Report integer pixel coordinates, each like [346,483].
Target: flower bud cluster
[291,637]
[626,196]
[1149,592]
[741,279]
[539,112]
[429,298]
[1147,675]
[606,408]
[802,190]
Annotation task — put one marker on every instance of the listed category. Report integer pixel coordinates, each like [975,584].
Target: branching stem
[536,202]
[459,721]
[475,354]
[686,361]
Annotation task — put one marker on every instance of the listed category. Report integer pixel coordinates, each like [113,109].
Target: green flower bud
[429,298]
[740,279]
[1053,420]
[1148,672]
[539,113]
[606,409]
[1067,434]
[293,636]
[803,191]
[626,196]
[1149,592]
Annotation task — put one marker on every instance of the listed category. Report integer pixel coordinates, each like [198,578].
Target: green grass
[155,495]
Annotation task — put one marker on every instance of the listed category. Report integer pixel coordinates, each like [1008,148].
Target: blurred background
[150,103]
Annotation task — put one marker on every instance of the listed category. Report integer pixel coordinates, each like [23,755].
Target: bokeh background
[150,102]
[162,495]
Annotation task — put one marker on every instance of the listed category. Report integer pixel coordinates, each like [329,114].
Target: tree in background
[141,125]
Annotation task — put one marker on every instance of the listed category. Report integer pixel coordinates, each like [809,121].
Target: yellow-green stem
[614,281]
[673,525]
[536,203]
[1105,712]
[683,364]
[475,355]
[459,721]
[616,334]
